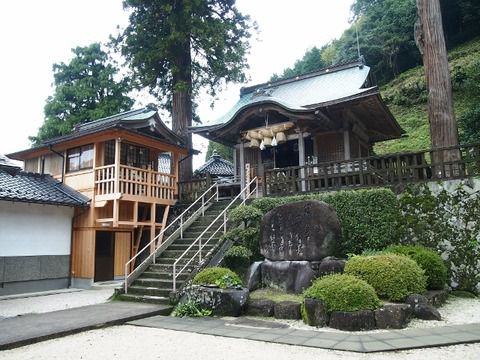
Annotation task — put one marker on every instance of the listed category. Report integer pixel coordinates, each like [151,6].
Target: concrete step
[161,275]
[183,247]
[169,268]
[150,291]
[147,299]
[153,282]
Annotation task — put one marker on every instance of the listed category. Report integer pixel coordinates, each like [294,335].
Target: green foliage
[393,277]
[447,220]
[237,258]
[86,89]
[311,61]
[429,260]
[182,46]
[470,123]
[224,151]
[222,277]
[248,237]
[368,218]
[343,293]
[245,215]
[190,309]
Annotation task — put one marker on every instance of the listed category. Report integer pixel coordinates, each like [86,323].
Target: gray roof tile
[216,166]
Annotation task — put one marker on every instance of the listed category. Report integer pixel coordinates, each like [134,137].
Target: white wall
[33,229]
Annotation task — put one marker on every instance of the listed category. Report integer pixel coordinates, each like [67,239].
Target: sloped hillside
[406,97]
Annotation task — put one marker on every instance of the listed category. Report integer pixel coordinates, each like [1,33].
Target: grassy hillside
[406,97]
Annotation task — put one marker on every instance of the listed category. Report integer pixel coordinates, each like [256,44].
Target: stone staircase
[155,283]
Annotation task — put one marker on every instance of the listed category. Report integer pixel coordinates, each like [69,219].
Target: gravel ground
[131,342]
[53,302]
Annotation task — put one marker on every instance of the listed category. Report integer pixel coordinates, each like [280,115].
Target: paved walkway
[273,332]
[30,328]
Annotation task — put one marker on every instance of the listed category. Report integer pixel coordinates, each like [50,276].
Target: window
[80,158]
[135,156]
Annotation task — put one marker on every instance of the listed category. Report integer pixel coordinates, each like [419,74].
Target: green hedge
[393,277]
[343,293]
[369,218]
[237,259]
[429,260]
[220,276]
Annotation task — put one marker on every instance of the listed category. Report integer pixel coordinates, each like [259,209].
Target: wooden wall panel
[31,165]
[123,246]
[82,181]
[83,254]
[330,147]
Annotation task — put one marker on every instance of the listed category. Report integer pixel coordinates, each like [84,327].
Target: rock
[415,299]
[315,312]
[352,321]
[426,312]
[289,276]
[305,230]
[287,310]
[260,307]
[222,302]
[437,297]
[331,265]
[393,316]
[253,277]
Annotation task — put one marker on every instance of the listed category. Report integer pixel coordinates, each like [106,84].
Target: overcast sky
[35,34]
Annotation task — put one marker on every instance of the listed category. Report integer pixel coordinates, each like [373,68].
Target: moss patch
[275,295]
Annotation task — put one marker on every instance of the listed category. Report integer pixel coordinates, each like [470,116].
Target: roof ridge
[307,75]
[119,115]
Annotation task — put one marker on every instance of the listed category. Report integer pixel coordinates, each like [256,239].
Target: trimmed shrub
[429,261]
[393,277]
[248,237]
[220,276]
[237,257]
[342,292]
[369,218]
[246,215]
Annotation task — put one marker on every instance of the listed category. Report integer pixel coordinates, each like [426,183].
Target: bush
[190,309]
[246,215]
[369,218]
[342,292]
[222,277]
[393,277]
[429,261]
[237,258]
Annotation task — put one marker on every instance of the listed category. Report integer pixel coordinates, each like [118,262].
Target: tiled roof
[302,92]
[216,166]
[36,188]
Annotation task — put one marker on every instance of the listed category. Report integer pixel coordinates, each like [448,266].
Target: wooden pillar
[116,201]
[242,167]
[301,159]
[153,215]
[235,172]
[346,144]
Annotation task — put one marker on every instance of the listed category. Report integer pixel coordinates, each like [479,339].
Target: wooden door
[104,255]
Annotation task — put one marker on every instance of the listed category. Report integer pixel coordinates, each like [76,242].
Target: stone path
[259,330]
[30,328]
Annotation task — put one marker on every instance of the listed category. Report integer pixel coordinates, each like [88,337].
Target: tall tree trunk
[431,43]
[182,103]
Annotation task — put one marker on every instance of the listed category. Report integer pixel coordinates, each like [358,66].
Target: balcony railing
[133,181]
[389,170]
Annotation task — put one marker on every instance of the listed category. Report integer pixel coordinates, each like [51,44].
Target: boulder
[331,265]
[305,230]
[437,297]
[315,312]
[260,307]
[352,321]
[253,277]
[287,310]
[393,316]
[222,302]
[426,312]
[415,299]
[289,276]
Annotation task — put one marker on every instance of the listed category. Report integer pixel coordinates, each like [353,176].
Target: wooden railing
[388,170]
[189,190]
[134,181]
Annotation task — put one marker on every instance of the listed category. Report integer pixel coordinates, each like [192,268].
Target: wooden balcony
[121,182]
[392,170]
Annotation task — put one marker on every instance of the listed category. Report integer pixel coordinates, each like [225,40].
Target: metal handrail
[198,240]
[162,232]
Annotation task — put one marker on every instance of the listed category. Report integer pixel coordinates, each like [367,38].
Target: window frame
[81,150]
